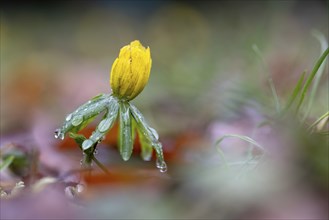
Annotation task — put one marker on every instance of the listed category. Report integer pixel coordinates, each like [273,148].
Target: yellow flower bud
[131,70]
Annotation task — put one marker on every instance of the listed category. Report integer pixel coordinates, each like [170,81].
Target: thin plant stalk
[269,79]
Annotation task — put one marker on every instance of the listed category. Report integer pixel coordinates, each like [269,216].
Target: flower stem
[100,165]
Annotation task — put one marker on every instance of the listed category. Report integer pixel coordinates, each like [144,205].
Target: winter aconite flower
[131,70]
[129,75]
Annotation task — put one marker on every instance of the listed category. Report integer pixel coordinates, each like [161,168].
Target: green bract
[113,109]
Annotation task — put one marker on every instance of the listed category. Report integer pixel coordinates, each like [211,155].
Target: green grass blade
[318,120]
[295,92]
[310,78]
[324,133]
[222,155]
[7,162]
[269,79]
[244,138]
[324,45]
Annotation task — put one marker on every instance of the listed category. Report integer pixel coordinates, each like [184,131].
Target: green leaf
[103,127]
[144,128]
[7,162]
[320,119]
[324,45]
[85,114]
[151,137]
[269,78]
[83,124]
[244,138]
[125,132]
[78,138]
[97,97]
[311,77]
[295,93]
[146,147]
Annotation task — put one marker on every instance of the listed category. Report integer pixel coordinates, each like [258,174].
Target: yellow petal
[131,70]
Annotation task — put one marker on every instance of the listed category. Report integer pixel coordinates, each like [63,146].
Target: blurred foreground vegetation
[213,65]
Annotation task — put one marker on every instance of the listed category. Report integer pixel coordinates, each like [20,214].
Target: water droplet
[163,169]
[87,144]
[154,132]
[68,117]
[70,192]
[77,120]
[95,152]
[59,134]
[161,165]
[80,188]
[104,125]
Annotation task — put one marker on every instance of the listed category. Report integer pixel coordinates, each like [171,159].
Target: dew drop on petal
[77,120]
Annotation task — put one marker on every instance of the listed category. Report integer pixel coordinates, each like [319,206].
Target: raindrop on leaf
[68,117]
[77,120]
[154,132]
[161,165]
[87,144]
[59,134]
[104,125]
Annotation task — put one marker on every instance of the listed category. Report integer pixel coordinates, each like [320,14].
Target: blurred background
[206,81]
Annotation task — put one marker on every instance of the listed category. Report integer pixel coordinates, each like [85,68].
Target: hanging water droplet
[77,120]
[59,134]
[68,117]
[163,169]
[104,125]
[95,152]
[81,162]
[161,165]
